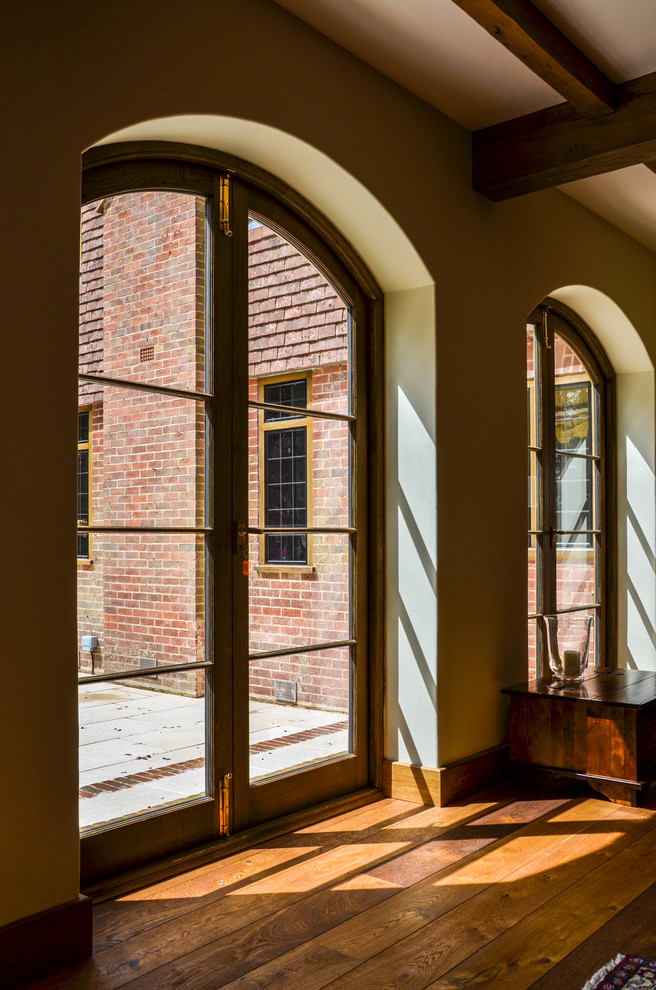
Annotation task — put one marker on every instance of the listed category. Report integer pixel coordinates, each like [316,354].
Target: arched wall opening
[409,296]
[636,485]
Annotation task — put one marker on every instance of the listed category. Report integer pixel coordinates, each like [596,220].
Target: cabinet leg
[631,797]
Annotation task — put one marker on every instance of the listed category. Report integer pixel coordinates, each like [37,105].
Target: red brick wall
[296,320]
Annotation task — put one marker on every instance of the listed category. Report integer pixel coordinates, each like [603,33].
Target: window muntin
[569,533]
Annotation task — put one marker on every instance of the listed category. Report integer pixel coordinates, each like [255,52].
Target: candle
[571,663]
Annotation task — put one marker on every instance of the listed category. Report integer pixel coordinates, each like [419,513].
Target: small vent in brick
[146,353]
[284,691]
[146,662]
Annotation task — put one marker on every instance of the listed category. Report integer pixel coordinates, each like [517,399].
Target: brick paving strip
[142,776]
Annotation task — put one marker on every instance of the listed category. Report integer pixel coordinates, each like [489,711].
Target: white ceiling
[437,52]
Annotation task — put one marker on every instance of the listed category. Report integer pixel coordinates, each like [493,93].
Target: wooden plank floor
[510,889]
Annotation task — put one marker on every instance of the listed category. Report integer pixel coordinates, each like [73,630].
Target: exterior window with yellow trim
[83,481]
[285,445]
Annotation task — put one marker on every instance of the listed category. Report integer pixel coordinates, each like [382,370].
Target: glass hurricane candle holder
[568,644]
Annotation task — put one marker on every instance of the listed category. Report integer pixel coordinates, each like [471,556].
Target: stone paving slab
[109,806]
[141,749]
[282,724]
[132,762]
[298,755]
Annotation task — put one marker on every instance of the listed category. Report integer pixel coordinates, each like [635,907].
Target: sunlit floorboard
[514,888]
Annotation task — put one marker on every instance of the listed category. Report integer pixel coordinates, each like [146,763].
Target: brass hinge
[224,205]
[224,806]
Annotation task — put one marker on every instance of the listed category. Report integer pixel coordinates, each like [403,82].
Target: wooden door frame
[148,162]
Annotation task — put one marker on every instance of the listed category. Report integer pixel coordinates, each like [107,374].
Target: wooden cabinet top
[628,688]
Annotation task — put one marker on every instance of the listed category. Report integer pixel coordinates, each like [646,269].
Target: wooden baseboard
[474,773]
[406,782]
[443,785]
[39,945]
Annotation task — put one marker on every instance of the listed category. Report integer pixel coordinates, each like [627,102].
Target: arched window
[227,595]
[571,541]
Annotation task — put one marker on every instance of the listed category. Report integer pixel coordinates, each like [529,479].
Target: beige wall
[79,71]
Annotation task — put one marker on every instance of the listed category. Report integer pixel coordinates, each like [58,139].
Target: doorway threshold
[198,856]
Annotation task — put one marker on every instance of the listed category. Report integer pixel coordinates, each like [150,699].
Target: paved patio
[141,750]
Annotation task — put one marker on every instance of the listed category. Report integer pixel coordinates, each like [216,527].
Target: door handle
[241,545]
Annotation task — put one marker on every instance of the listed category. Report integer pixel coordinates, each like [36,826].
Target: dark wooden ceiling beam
[559,145]
[529,35]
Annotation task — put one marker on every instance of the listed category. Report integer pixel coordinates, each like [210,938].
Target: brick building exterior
[142,318]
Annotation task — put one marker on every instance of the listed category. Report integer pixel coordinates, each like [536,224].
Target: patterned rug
[630,972]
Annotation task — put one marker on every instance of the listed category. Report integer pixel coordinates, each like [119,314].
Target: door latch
[241,545]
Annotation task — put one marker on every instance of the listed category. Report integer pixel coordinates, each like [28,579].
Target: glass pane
[574,498]
[331,473]
[142,599]
[594,659]
[296,322]
[141,749]
[573,418]
[302,607]
[531,389]
[299,710]
[575,405]
[533,648]
[299,475]
[147,454]
[83,486]
[534,514]
[285,479]
[142,289]
[83,427]
[575,576]
[284,393]
[255,507]
[534,502]
[285,548]
[533,575]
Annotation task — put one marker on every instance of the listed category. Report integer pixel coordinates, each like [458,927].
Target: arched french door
[229,480]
